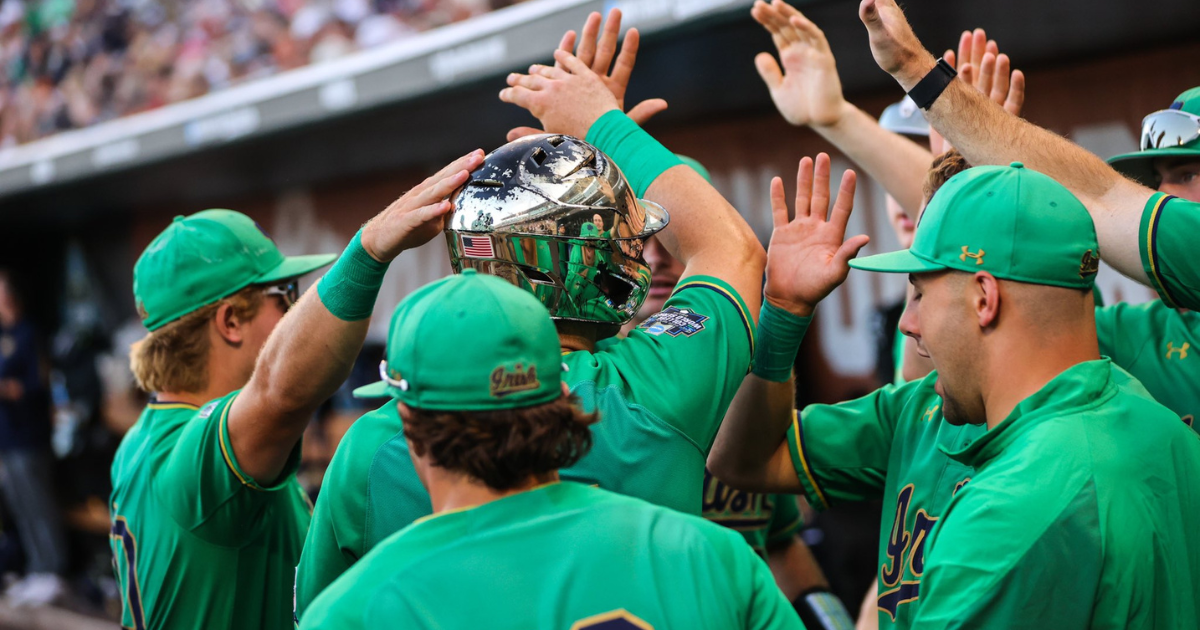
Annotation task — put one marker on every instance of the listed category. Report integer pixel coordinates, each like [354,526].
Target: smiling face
[940,318]
[1179,176]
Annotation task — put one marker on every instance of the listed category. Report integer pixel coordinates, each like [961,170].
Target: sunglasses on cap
[1169,128]
[289,291]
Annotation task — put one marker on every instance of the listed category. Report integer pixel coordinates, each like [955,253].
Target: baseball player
[661,391]
[769,522]
[1157,344]
[207,516]
[806,89]
[488,424]
[1144,234]
[1064,445]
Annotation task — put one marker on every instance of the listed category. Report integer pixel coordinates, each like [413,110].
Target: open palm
[809,256]
[807,90]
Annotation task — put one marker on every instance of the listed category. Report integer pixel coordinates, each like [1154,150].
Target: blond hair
[174,358]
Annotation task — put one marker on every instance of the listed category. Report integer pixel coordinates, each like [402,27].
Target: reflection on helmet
[554,216]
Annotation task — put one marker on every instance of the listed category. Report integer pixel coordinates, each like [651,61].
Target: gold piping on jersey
[221,439]
[731,296]
[804,460]
[1152,251]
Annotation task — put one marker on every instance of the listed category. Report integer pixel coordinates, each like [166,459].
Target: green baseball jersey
[886,446]
[196,542]
[1080,514]
[661,393]
[559,556]
[1166,241]
[1158,345]
[764,520]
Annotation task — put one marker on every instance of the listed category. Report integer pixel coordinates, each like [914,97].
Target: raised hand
[807,91]
[984,67]
[418,215]
[809,256]
[596,49]
[893,44]
[567,97]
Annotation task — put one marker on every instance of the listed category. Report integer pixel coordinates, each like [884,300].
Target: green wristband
[778,340]
[350,287]
[641,158]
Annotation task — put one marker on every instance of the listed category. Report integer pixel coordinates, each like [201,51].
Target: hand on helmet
[417,216]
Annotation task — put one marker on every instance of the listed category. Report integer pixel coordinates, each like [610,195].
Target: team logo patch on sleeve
[207,410]
[674,322]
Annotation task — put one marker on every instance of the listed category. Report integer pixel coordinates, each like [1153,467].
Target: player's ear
[228,325]
[986,299]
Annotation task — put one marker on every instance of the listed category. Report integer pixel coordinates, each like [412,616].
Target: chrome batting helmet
[554,216]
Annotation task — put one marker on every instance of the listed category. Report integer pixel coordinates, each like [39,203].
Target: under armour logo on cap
[966,253]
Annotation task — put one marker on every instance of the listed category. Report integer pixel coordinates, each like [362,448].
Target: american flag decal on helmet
[477,246]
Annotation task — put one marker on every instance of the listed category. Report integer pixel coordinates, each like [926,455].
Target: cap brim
[374,390]
[295,266]
[1140,164]
[901,261]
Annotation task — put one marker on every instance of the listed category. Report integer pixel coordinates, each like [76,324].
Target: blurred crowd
[66,64]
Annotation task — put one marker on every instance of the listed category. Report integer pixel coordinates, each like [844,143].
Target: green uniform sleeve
[204,489]
[841,451]
[785,520]
[1166,241]
[337,535]
[998,554]
[686,362]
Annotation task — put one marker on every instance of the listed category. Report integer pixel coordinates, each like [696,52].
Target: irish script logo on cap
[1090,264]
[518,379]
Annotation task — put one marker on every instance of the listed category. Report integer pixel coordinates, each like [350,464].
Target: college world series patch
[674,322]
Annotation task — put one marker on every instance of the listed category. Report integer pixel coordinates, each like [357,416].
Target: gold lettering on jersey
[1182,350]
[518,379]
[966,253]
[1189,419]
[931,412]
[1090,265]
[905,550]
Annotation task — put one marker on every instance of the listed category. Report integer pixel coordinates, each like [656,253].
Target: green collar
[1080,386]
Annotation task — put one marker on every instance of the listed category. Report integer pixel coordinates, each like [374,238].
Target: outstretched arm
[705,233]
[808,91]
[311,351]
[808,257]
[985,134]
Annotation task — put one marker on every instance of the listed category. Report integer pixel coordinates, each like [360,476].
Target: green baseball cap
[205,257]
[1009,221]
[470,342]
[1167,133]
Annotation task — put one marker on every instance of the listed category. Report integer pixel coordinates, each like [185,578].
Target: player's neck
[1039,363]
[449,491]
[221,381]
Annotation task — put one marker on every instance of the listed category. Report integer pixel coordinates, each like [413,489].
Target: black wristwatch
[928,89]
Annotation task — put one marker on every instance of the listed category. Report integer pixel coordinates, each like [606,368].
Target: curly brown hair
[506,447]
[944,167]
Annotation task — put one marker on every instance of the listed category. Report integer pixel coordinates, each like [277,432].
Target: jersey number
[615,620]
[128,551]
